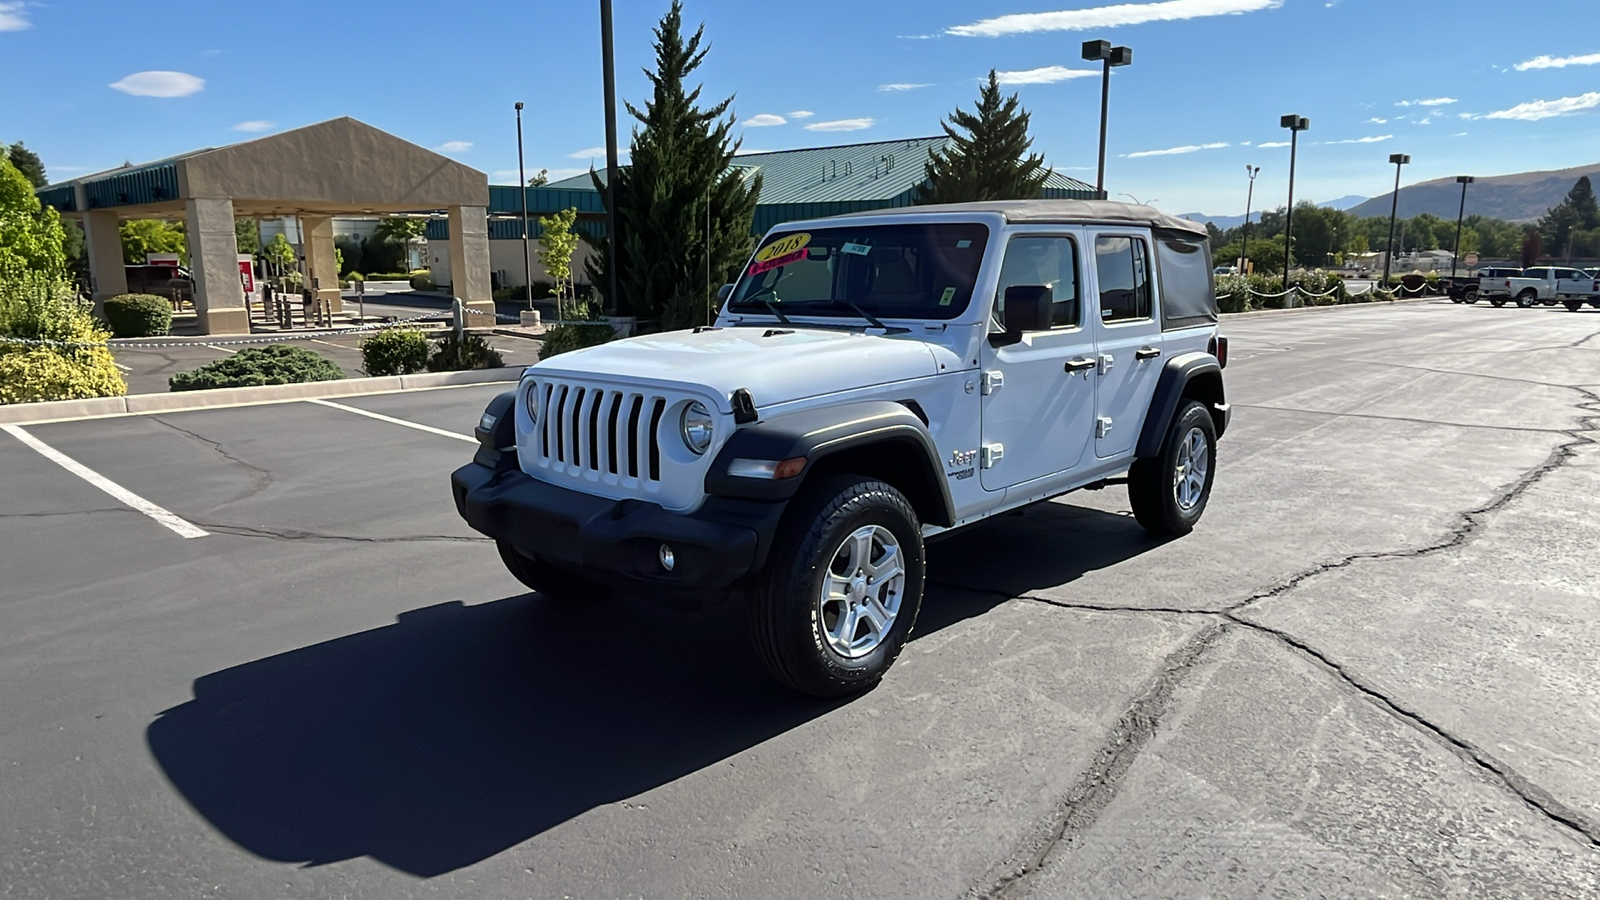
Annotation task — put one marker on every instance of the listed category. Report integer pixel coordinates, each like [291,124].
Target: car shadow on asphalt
[461,731]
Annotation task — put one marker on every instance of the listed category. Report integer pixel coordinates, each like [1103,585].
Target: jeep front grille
[583,429]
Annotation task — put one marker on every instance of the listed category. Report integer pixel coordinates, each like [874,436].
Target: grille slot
[597,431]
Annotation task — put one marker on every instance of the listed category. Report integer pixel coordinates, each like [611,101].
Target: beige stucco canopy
[339,167]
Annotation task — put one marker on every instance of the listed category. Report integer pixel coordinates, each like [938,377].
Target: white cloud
[1538,62]
[842,125]
[1377,121]
[1371,139]
[1109,16]
[902,86]
[1436,101]
[587,153]
[1535,110]
[14,17]
[1046,75]
[1270,144]
[917,37]
[454,147]
[160,84]
[1177,151]
[763,120]
[801,114]
[254,125]
[1244,143]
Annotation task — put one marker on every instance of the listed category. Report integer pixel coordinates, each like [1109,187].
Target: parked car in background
[1492,283]
[1549,285]
[1459,288]
[1225,270]
[175,283]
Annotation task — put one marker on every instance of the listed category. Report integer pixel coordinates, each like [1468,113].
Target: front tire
[1169,492]
[1572,305]
[844,588]
[552,581]
[1497,302]
[1527,298]
[1470,297]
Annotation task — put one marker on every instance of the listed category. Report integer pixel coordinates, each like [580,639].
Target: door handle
[1147,353]
[1081,364]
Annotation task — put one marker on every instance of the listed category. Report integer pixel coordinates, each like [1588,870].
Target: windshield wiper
[836,303]
[774,308]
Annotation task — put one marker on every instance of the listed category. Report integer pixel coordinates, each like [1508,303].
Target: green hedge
[421,280]
[138,315]
[272,364]
[395,352]
[473,352]
[37,307]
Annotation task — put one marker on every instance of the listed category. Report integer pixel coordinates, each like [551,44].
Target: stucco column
[322,261]
[103,245]
[214,260]
[469,261]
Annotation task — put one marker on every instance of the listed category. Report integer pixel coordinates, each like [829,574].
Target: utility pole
[1398,159]
[613,234]
[1295,124]
[1249,199]
[1461,216]
[522,188]
[1102,51]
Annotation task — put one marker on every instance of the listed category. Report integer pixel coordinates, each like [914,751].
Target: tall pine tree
[1576,213]
[984,160]
[683,211]
[27,162]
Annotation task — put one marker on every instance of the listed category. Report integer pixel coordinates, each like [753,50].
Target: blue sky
[1463,86]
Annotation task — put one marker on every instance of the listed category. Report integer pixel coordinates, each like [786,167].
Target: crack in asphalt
[261,478]
[1097,785]
[295,534]
[1411,419]
[70,512]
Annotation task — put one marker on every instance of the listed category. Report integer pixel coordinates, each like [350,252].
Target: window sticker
[963,244]
[785,246]
[948,295]
[857,249]
[757,268]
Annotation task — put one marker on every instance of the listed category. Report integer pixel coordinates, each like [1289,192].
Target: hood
[791,364]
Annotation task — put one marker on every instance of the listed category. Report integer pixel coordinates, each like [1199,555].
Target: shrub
[138,315]
[272,364]
[35,307]
[1321,288]
[421,280]
[1233,293]
[394,352]
[472,352]
[388,276]
[590,330]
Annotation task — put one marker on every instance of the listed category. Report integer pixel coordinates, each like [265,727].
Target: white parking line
[125,496]
[223,349]
[393,421]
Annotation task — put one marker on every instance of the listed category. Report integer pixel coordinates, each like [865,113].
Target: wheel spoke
[876,617]
[844,633]
[861,550]
[886,566]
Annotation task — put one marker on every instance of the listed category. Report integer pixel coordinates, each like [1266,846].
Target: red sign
[247,274]
[796,256]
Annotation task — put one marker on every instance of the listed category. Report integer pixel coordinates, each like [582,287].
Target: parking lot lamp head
[1295,124]
[1398,159]
[1103,52]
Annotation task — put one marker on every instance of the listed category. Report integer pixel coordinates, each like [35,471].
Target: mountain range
[1226,222]
[1523,197]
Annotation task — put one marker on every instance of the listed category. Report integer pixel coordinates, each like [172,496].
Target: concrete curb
[140,404]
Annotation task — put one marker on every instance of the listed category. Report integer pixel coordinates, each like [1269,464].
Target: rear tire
[1497,302]
[1527,298]
[552,581]
[1470,297]
[843,589]
[1169,491]
[1572,305]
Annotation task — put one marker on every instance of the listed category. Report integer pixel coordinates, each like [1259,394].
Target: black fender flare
[498,441]
[1175,378]
[829,432]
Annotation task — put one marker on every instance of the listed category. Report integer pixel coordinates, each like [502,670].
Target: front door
[1127,339]
[1038,395]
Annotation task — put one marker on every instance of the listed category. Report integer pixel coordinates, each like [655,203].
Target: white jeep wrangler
[872,381]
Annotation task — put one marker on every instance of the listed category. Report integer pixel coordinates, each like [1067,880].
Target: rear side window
[1188,295]
[1123,264]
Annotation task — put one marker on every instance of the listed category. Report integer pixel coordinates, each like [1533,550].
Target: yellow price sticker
[783,246]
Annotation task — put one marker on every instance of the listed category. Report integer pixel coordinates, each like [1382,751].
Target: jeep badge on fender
[797,454]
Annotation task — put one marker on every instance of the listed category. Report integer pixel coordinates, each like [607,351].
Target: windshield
[889,271]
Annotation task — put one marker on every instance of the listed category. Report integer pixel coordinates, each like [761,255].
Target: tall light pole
[1102,51]
[1399,159]
[522,188]
[1249,199]
[1295,124]
[613,236]
[1461,217]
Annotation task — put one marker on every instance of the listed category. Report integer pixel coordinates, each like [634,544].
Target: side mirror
[1027,308]
[723,293]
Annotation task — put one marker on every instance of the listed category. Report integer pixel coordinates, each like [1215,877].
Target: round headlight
[532,401]
[695,427]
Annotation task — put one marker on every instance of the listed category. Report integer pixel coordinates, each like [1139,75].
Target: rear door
[1127,334]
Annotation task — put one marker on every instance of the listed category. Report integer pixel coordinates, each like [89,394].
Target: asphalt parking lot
[1369,673]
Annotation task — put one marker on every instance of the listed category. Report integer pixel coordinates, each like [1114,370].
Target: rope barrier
[140,344]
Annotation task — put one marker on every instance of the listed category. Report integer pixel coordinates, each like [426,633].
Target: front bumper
[614,541]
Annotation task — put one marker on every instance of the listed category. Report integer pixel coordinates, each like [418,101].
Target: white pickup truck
[1553,284]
